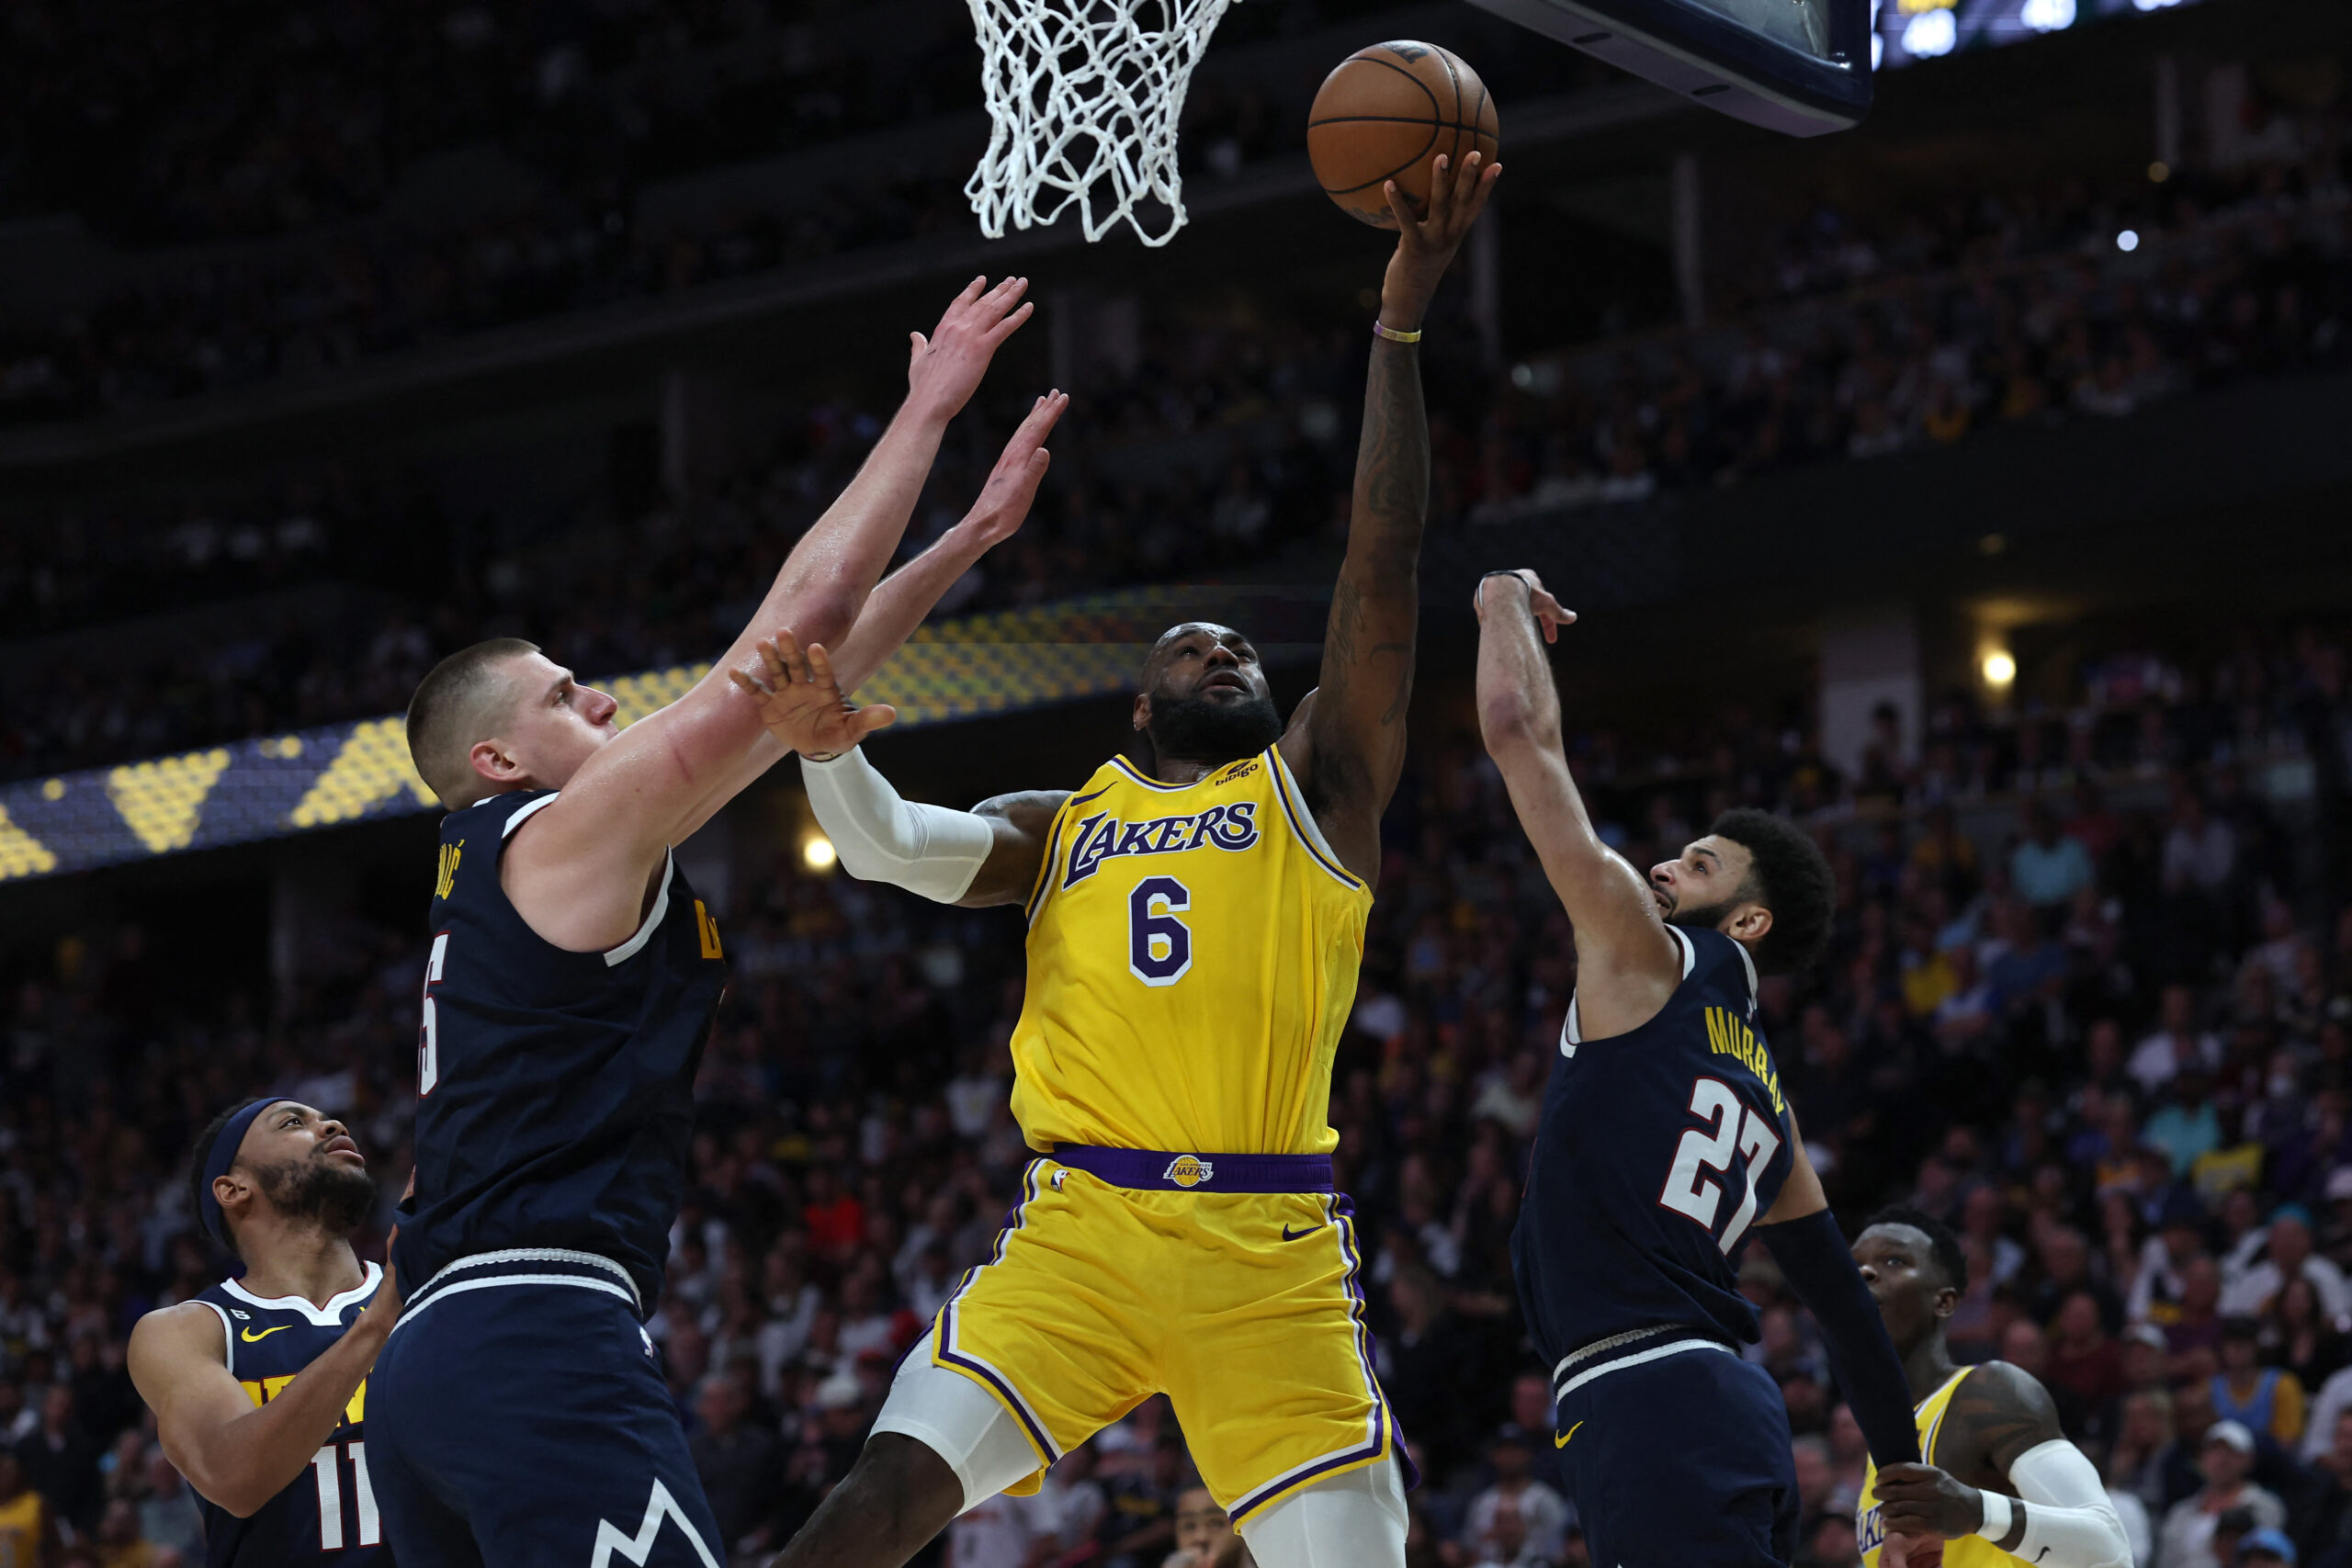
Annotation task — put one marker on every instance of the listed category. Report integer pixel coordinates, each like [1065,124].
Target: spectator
[1503,1541]
[2323,1516]
[1204,1535]
[62,1461]
[28,1529]
[2177,1045]
[740,1465]
[2265,1548]
[1542,1514]
[2226,1458]
[167,1513]
[2048,867]
[2286,1254]
[2299,1337]
[2262,1399]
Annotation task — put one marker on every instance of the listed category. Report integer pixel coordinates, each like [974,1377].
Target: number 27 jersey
[1657,1153]
[1193,959]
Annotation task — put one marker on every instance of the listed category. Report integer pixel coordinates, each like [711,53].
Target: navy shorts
[1677,1457]
[517,1417]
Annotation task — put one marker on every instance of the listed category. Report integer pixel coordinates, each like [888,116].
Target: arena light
[817,852]
[2128,241]
[2000,668]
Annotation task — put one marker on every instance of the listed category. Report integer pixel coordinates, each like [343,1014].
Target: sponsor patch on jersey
[1104,837]
[1188,1170]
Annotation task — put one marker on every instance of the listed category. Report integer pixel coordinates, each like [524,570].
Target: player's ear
[492,761]
[1947,1303]
[230,1190]
[1749,923]
[1142,714]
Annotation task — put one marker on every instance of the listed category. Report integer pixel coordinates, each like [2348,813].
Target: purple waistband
[1157,1170]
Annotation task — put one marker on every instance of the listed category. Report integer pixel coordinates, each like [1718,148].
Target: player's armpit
[1023,826]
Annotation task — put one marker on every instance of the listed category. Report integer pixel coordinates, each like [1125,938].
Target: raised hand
[945,367]
[1546,609]
[1425,245]
[1012,484]
[800,701]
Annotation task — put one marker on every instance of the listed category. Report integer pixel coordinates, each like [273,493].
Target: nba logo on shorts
[1188,1170]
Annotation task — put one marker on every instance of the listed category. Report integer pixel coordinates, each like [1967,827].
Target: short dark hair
[1943,1242]
[450,703]
[203,1156]
[1789,875]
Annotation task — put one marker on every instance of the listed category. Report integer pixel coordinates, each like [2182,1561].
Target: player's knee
[905,1475]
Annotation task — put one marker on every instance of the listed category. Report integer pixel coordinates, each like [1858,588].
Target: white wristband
[1997,1515]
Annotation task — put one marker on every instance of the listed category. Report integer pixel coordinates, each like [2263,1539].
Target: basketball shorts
[1230,1283]
[517,1418]
[1678,1452]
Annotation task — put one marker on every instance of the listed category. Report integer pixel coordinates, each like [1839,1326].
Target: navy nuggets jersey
[327,1518]
[555,1089]
[1658,1151]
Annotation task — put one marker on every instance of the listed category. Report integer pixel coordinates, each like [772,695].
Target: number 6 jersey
[1193,958]
[1659,1151]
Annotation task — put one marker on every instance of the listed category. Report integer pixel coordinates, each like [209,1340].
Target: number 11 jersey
[1193,958]
[1657,1152]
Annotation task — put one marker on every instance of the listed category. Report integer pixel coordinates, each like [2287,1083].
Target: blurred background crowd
[1971,487]
[2090,1001]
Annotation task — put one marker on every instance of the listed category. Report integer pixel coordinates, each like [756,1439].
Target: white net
[1083,97]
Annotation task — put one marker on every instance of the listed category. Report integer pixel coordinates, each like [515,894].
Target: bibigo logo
[1188,1170]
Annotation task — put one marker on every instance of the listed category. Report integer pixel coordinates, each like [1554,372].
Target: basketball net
[1083,97]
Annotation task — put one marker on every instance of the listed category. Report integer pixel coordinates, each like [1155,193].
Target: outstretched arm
[1626,963]
[901,601]
[579,874]
[1347,748]
[987,855]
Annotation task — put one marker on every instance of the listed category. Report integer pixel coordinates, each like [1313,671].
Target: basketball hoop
[1083,97]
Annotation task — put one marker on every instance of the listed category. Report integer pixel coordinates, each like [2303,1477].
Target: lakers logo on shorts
[1187,1170]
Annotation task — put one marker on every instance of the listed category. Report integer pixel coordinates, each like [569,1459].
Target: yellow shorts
[1245,1309]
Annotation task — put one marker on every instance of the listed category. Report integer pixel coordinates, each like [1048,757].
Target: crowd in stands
[2090,1000]
[1986,313]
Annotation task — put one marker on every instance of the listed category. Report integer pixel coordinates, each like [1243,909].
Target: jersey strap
[1157,1170]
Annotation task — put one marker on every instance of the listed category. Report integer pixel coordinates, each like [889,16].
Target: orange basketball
[1387,113]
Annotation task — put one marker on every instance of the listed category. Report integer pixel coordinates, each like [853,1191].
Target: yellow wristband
[1395,336]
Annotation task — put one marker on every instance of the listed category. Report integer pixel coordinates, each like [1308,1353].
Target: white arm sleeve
[880,837]
[2069,1523]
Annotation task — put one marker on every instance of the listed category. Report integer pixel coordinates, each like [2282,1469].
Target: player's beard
[1701,917]
[335,1197]
[1199,730]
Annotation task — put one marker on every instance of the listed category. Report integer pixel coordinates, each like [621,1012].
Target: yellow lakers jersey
[1969,1551]
[1193,958]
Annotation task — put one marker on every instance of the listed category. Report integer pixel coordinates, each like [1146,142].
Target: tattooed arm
[1347,746]
[2009,1474]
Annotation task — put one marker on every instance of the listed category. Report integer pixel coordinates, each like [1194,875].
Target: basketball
[1386,113]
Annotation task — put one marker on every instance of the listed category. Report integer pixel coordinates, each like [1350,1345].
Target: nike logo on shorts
[1290,1235]
[1561,1440]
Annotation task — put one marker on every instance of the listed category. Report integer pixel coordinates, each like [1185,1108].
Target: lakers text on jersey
[1192,957]
[1962,1551]
[329,1515]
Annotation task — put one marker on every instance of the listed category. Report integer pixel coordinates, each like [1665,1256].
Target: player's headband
[217,1161]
